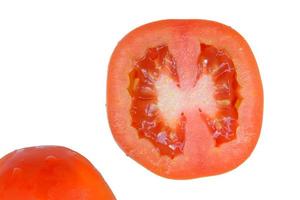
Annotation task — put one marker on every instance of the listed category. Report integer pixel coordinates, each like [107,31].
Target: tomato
[185,98]
[50,173]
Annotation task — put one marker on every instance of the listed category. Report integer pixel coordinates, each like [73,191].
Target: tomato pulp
[184,98]
[50,173]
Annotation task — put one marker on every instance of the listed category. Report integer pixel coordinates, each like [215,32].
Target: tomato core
[158,102]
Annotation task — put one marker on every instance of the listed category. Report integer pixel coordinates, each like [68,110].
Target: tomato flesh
[146,116]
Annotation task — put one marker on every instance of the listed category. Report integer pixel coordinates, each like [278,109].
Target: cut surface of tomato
[50,173]
[184,98]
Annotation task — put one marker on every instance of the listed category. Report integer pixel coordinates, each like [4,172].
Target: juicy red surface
[144,111]
[218,65]
[146,117]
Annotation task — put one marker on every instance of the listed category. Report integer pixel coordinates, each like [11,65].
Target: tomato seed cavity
[147,119]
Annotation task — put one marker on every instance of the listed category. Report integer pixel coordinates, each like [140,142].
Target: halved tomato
[185,98]
[50,173]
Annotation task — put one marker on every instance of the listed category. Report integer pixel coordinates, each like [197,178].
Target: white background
[53,65]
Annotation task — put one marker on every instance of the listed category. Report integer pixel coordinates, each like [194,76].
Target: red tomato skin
[50,173]
[200,157]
